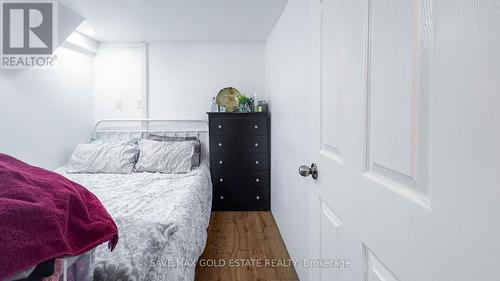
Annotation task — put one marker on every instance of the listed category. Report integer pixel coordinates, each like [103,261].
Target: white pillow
[169,157]
[109,158]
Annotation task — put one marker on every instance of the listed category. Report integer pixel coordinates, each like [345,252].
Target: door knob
[305,171]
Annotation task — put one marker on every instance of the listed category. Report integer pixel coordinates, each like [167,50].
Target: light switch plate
[118,103]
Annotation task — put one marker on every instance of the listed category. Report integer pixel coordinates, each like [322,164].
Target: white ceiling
[177,20]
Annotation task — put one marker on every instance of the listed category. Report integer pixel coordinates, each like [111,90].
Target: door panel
[392,96]
[397,109]
[375,270]
[404,102]
[331,79]
[330,228]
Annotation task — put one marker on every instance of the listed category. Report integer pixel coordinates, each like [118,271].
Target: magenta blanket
[43,215]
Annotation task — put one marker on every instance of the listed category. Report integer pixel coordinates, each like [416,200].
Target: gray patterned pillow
[107,158]
[165,157]
[195,161]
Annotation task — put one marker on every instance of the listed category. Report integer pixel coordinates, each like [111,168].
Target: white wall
[183,77]
[288,64]
[45,113]
[118,70]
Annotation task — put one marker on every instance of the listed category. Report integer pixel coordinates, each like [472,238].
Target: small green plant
[244,100]
[246,103]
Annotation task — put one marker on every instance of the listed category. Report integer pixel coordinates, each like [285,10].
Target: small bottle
[255,103]
[213,105]
[259,106]
[264,106]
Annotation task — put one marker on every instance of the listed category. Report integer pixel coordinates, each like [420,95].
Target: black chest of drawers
[240,161]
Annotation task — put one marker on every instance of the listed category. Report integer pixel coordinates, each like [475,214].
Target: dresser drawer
[256,126]
[233,162]
[240,180]
[234,144]
[234,200]
[223,126]
[251,126]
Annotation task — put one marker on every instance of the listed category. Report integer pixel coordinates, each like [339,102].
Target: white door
[406,129]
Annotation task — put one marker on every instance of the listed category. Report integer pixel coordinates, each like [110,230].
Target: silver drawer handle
[257,162]
[220,143]
[257,180]
[258,197]
[220,162]
[222,198]
[256,126]
[221,179]
[256,144]
[220,126]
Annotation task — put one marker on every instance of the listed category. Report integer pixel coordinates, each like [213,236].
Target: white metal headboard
[138,128]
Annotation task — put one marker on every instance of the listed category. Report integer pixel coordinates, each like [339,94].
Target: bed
[162,218]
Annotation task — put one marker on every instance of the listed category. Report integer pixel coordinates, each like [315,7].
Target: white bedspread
[162,221]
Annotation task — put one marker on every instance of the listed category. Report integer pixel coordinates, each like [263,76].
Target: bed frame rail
[138,128]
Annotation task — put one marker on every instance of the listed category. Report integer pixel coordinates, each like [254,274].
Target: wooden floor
[244,246]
